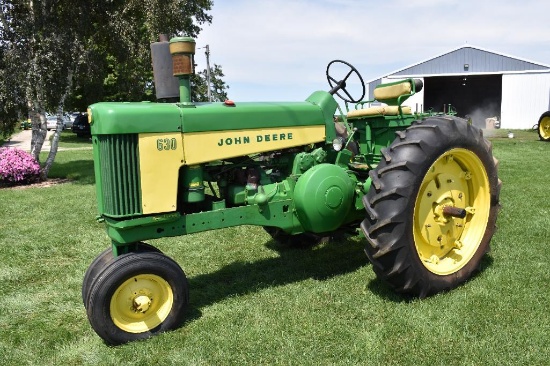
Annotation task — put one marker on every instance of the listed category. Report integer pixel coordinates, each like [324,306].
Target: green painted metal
[174,224]
[126,118]
[110,118]
[192,184]
[375,133]
[311,188]
[118,175]
[323,196]
[185,91]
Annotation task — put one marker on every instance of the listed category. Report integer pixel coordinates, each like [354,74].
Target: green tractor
[543,126]
[423,190]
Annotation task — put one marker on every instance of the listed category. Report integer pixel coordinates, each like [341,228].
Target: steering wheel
[340,86]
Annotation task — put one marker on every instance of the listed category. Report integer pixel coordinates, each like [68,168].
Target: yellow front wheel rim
[456,182]
[141,303]
[544,128]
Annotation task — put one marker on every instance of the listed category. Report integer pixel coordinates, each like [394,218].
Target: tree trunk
[55,141]
[39,131]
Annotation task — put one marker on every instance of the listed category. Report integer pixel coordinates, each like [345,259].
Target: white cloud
[279,49]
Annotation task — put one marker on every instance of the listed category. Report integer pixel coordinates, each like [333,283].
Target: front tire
[432,206]
[137,296]
[101,262]
[544,126]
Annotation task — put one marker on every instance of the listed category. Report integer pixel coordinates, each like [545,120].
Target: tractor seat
[388,110]
[392,94]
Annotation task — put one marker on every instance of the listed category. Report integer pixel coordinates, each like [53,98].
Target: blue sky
[277,50]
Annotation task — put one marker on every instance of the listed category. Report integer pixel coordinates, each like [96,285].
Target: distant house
[480,84]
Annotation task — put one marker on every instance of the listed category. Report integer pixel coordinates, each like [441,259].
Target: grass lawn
[68,139]
[254,302]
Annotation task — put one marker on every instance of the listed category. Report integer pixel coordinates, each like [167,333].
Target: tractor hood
[146,117]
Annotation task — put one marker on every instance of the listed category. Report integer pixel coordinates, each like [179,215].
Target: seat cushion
[379,110]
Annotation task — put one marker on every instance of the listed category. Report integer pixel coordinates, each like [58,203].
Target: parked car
[81,126]
[51,122]
[72,116]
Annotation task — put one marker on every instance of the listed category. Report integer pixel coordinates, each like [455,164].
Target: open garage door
[475,96]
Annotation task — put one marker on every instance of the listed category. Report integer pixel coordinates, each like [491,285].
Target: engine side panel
[201,147]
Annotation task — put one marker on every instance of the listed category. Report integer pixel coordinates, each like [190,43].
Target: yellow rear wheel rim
[544,128]
[141,303]
[446,243]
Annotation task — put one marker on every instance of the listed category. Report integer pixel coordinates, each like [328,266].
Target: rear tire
[138,295]
[435,164]
[544,126]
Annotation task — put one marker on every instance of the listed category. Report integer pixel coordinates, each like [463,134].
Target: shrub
[17,167]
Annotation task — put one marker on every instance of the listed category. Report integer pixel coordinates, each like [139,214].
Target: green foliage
[218,88]
[74,53]
[254,302]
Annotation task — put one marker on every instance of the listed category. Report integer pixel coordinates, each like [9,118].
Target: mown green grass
[68,139]
[255,302]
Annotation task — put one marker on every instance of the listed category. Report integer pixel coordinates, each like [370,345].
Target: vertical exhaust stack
[182,50]
[166,85]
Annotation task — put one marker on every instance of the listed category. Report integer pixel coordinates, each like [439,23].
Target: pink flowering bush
[17,167]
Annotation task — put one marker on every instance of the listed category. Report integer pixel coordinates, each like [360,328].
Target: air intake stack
[182,50]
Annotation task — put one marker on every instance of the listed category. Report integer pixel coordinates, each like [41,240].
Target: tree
[70,53]
[218,88]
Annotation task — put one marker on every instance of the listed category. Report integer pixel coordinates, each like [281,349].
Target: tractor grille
[120,180]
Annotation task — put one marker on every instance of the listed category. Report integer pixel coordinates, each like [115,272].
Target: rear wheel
[432,206]
[137,296]
[544,126]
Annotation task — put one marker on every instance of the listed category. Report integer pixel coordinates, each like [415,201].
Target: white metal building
[480,84]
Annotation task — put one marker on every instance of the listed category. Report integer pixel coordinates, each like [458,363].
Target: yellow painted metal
[141,303]
[544,128]
[160,157]
[201,147]
[445,243]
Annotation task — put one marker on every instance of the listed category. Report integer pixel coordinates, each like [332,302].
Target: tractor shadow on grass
[294,264]
[382,290]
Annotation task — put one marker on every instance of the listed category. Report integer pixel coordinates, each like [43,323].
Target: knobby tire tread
[390,203]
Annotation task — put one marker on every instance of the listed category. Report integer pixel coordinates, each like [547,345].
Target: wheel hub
[142,303]
[447,229]
[544,128]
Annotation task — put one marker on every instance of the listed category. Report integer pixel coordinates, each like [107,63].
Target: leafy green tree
[199,85]
[61,55]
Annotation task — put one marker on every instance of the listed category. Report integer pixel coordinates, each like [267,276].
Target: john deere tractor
[423,190]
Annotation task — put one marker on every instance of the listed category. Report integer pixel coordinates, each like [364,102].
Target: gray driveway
[22,140]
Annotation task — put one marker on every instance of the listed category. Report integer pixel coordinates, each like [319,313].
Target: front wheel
[104,259]
[432,206]
[137,296]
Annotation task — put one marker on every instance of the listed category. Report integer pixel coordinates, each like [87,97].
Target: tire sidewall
[115,274]
[436,136]
[465,139]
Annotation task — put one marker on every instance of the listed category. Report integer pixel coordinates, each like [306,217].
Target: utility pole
[208,73]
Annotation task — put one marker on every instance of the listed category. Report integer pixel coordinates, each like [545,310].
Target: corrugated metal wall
[525,91]
[524,98]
